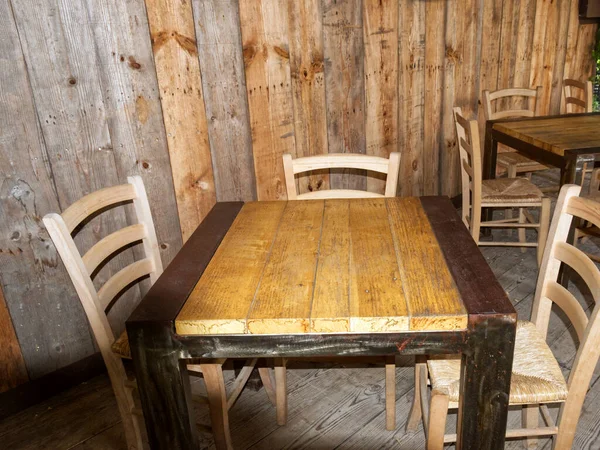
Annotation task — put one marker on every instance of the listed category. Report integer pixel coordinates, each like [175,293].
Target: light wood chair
[513,162]
[97,303]
[389,166]
[497,193]
[537,378]
[578,98]
[585,229]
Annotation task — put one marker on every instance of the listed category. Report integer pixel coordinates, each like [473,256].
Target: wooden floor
[329,406]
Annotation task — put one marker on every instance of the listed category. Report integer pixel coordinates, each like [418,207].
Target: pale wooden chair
[496,193]
[96,303]
[537,378]
[585,229]
[577,98]
[390,167]
[513,162]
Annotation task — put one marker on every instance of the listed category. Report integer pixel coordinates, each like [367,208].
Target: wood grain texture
[308,86]
[284,298]
[557,134]
[308,267]
[380,26]
[222,66]
[265,35]
[12,365]
[343,52]
[46,314]
[411,95]
[433,299]
[180,86]
[236,268]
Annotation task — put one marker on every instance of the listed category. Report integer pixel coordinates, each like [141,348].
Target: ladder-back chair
[496,193]
[578,98]
[97,303]
[537,379]
[390,167]
[513,162]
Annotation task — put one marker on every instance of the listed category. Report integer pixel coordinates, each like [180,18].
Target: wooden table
[566,141]
[360,277]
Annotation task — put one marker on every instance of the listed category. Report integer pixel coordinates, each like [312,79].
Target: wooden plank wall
[202,97]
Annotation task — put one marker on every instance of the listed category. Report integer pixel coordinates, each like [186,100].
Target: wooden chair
[578,98]
[537,378]
[513,162]
[585,229]
[389,166]
[497,193]
[97,303]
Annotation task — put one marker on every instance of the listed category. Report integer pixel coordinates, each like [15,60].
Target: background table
[566,141]
[326,278]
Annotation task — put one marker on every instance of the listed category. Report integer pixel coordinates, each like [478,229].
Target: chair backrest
[467,138]
[492,111]
[577,96]
[389,166]
[96,303]
[549,292]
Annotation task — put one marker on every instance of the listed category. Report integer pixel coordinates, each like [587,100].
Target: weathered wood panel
[343,48]
[381,74]
[12,365]
[177,68]
[265,40]
[308,86]
[222,66]
[48,319]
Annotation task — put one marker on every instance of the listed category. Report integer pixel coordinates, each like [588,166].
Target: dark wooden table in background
[360,277]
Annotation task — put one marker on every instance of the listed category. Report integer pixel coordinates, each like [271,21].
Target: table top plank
[433,298]
[231,278]
[284,297]
[331,308]
[377,300]
[556,134]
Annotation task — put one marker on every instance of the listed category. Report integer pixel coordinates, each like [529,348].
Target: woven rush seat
[518,159]
[502,189]
[536,376]
[121,346]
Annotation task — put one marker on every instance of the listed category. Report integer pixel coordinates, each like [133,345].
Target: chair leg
[543,230]
[268,384]
[217,403]
[521,232]
[511,173]
[438,412]
[390,393]
[529,419]
[416,411]
[281,391]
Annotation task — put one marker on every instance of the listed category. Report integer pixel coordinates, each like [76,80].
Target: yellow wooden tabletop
[556,134]
[359,265]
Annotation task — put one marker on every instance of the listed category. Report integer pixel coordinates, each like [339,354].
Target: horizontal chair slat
[338,193]
[513,113]
[341,161]
[122,278]
[111,243]
[96,201]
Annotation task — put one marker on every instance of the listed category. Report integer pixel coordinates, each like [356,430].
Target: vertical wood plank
[550,53]
[180,85]
[380,23]
[411,95]
[542,10]
[434,77]
[49,321]
[222,66]
[571,39]
[266,60]
[12,365]
[560,53]
[345,86]
[308,86]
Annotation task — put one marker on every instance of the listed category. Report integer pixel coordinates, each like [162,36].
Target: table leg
[164,389]
[485,384]
[490,154]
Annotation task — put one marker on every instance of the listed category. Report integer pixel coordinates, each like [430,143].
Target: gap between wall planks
[178,71]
